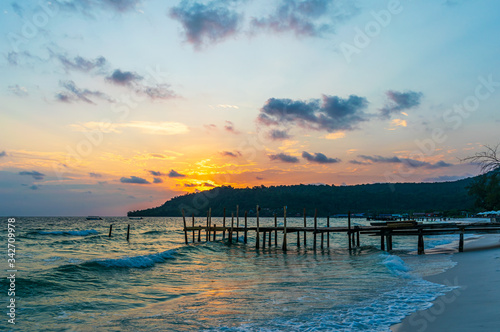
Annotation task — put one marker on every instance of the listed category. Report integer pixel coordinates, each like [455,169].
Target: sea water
[72,277]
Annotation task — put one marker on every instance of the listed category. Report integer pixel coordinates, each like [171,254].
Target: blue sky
[111,106]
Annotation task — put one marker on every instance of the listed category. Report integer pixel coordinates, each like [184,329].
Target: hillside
[367,198]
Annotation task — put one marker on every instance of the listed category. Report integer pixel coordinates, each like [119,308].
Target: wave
[71,233]
[143,261]
[396,265]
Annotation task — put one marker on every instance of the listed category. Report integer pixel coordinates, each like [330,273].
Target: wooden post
[237,221]
[305,225]
[206,229]
[185,230]
[199,234]
[215,232]
[357,238]
[298,239]
[275,230]
[315,227]
[246,240]
[110,229]
[322,239]
[224,224]
[270,233]
[328,234]
[264,240]
[284,228]
[232,226]
[421,250]
[192,223]
[257,236]
[349,229]
[128,232]
[209,222]
[461,241]
[382,242]
[388,239]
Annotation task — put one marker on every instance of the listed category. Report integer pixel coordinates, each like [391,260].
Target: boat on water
[94,218]
[135,218]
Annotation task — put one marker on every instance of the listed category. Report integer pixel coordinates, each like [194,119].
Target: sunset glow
[108,108]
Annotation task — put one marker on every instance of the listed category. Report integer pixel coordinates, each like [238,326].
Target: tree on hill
[486,188]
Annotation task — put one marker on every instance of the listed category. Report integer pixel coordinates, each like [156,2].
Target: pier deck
[385,232]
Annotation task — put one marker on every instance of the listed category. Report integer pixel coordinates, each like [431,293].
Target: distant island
[448,198]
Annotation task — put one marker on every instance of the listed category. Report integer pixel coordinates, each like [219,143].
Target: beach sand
[475,305]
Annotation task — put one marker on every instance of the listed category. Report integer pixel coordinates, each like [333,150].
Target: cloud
[81,64]
[235,154]
[36,175]
[174,174]
[74,94]
[259,178]
[123,77]
[156,173]
[356,162]
[206,184]
[34,187]
[407,161]
[229,126]
[206,24]
[88,6]
[303,18]
[133,81]
[284,158]
[24,58]
[95,175]
[277,135]
[319,158]
[331,113]
[134,180]
[17,9]
[152,128]
[157,180]
[336,135]
[20,91]
[3,154]
[400,101]
[159,91]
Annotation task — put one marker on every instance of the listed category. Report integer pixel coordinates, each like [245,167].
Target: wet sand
[475,304]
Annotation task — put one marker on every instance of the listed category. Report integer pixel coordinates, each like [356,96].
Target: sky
[112,106]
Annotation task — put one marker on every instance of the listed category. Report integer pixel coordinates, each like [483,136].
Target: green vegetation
[486,191]
[367,198]
[486,188]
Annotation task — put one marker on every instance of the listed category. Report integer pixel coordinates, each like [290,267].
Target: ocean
[72,277]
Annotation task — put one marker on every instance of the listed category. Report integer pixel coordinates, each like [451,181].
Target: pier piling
[284,229]
[185,227]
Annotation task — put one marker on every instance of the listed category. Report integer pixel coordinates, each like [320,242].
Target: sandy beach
[474,304]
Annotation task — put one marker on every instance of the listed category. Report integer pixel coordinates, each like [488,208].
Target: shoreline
[473,305]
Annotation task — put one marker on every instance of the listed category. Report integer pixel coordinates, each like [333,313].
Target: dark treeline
[449,197]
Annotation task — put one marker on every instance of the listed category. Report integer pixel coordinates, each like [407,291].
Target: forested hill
[367,198]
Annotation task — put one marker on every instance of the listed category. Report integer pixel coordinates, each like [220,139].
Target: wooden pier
[386,231]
